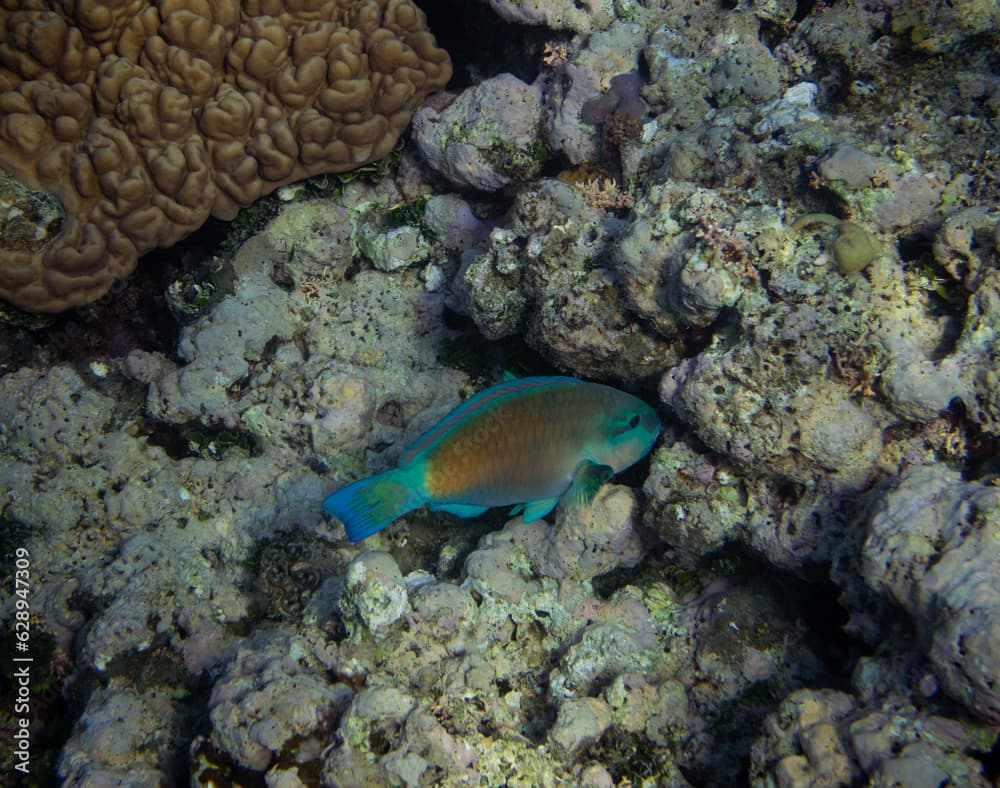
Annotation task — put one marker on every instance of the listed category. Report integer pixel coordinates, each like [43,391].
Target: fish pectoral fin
[535,510]
[461,509]
[587,480]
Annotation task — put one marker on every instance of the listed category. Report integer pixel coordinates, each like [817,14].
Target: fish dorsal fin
[478,403]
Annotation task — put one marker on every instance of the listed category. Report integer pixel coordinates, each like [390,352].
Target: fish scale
[541,429]
[521,442]
[514,448]
[484,458]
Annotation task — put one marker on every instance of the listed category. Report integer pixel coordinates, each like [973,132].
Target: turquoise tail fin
[369,505]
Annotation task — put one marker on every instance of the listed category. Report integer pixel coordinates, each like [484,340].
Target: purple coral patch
[622,98]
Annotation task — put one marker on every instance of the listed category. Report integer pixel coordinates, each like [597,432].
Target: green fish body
[524,442]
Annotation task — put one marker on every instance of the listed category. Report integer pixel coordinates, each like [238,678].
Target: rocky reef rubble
[931,548]
[740,214]
[826,737]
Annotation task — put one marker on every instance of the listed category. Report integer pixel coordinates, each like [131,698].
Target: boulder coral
[142,119]
[932,549]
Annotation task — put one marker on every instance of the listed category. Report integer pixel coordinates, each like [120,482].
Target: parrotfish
[526,442]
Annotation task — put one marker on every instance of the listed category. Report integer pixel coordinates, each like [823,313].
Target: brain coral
[142,118]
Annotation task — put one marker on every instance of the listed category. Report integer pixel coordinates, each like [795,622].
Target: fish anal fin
[465,510]
[588,478]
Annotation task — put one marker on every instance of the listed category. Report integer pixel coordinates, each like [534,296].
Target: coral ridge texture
[145,118]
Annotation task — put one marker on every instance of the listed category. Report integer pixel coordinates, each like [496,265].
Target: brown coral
[142,118]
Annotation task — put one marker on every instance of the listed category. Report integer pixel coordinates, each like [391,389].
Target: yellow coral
[605,194]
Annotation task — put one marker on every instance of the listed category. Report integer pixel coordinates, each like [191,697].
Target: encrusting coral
[144,118]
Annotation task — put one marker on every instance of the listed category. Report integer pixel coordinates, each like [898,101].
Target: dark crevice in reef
[484,360]
[982,455]
[481,44]
[948,298]
[133,315]
[991,764]
[194,439]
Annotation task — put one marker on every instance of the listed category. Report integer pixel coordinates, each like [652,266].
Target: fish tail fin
[369,505]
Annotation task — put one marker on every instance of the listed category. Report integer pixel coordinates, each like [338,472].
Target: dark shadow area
[481,44]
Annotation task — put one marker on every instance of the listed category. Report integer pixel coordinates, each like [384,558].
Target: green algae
[190,297]
[30,218]
[632,759]
[331,184]
[408,213]
[214,444]
[518,162]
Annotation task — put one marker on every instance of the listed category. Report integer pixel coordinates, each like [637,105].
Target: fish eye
[625,426]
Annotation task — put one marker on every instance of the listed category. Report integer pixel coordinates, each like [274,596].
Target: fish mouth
[651,422]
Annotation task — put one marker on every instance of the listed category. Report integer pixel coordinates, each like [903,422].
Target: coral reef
[594,75]
[622,97]
[487,138]
[585,17]
[374,595]
[827,737]
[124,737]
[274,694]
[540,276]
[780,230]
[144,120]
